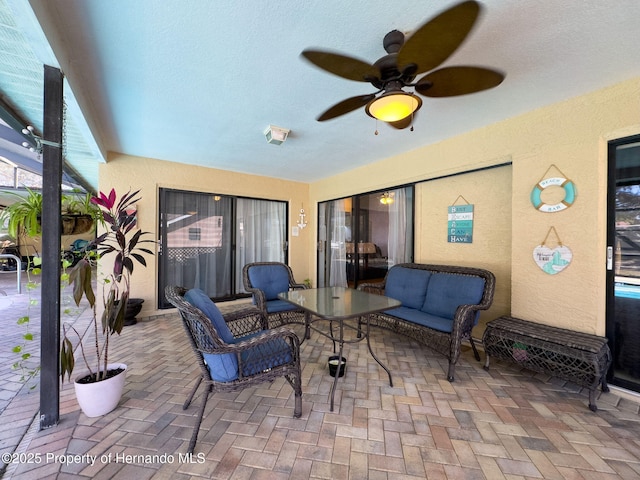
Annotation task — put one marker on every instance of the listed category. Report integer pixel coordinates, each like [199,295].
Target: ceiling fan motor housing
[393,41]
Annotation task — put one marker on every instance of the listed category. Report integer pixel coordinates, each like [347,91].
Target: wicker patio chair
[234,350]
[265,280]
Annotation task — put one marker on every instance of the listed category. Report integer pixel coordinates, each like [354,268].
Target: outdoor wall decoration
[460,222]
[560,180]
[552,260]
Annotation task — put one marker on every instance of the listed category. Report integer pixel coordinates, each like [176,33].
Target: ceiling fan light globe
[393,106]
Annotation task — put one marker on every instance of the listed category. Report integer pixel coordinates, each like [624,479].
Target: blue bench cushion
[447,291]
[421,318]
[271,279]
[222,367]
[408,285]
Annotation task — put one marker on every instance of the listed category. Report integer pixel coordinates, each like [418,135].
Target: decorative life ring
[569,194]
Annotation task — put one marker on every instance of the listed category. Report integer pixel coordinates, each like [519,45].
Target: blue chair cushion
[275,306]
[408,285]
[271,279]
[421,318]
[447,291]
[223,367]
[266,356]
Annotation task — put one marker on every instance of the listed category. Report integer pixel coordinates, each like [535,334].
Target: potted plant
[120,244]
[79,213]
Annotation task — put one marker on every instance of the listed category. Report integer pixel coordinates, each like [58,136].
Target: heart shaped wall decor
[552,260]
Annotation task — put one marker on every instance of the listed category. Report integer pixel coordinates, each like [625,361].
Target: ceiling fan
[428,47]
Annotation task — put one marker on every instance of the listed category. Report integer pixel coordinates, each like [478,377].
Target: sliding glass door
[261,230]
[333,233]
[360,237]
[206,239]
[623,262]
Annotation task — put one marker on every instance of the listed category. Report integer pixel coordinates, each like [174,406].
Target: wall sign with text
[460,224]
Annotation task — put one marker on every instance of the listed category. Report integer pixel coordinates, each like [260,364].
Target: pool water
[627,291]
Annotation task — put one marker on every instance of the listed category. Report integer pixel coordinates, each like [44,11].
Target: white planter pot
[99,398]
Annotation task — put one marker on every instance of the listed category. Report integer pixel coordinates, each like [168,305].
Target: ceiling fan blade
[346,106]
[453,81]
[341,65]
[437,39]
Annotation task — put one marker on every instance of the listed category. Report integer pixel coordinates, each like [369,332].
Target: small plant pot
[83,224]
[68,224]
[134,306]
[334,363]
[99,398]
[519,352]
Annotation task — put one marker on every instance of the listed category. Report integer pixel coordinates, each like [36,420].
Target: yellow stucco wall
[125,172]
[489,191]
[571,135]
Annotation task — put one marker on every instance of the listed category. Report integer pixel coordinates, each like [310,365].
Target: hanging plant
[23,216]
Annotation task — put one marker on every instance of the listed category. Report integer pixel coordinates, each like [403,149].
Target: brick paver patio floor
[504,423]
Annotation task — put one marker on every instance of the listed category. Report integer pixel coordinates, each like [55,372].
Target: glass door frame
[356,224]
[610,267]
[236,293]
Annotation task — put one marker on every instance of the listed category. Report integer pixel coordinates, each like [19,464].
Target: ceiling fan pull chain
[376,132]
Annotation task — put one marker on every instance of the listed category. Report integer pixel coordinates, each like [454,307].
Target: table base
[360,335]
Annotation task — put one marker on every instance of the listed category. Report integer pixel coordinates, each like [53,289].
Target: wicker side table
[574,356]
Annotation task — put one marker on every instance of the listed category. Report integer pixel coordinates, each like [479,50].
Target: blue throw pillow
[447,291]
[408,285]
[271,279]
[223,367]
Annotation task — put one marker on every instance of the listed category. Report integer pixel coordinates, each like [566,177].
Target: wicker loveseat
[440,304]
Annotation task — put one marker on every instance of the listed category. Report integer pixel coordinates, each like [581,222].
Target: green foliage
[23,216]
[23,363]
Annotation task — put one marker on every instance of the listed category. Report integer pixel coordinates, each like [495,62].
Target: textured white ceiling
[198,81]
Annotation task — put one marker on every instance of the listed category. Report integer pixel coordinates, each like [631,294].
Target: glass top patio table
[335,303]
[339,304]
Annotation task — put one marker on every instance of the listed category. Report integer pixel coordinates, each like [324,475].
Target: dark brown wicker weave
[575,356]
[275,319]
[205,339]
[448,344]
